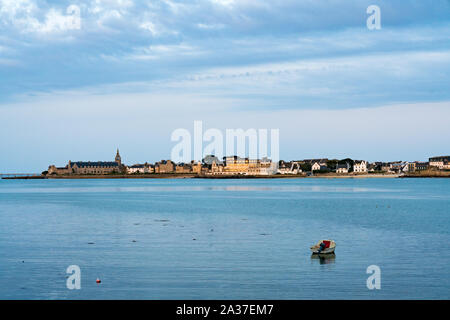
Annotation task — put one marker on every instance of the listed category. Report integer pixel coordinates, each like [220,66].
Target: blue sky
[134,71]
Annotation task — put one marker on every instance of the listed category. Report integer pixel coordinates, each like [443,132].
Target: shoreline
[427,174]
[195,176]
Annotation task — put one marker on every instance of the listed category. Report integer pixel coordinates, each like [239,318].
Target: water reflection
[324,258]
[191,188]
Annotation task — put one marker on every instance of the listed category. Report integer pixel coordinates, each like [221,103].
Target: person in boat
[322,247]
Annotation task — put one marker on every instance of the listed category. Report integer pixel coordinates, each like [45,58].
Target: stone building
[165,166]
[88,167]
[216,168]
[53,170]
[183,168]
[196,167]
[236,165]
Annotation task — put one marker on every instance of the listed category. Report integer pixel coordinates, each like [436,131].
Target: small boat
[324,247]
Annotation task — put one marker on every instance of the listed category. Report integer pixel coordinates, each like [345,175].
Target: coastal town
[231,166]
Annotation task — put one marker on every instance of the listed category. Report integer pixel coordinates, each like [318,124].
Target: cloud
[148,25]
[326,83]
[19,14]
[279,54]
[22,15]
[210,26]
[226,3]
[244,16]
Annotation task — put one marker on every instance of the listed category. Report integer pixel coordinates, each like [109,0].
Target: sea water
[224,239]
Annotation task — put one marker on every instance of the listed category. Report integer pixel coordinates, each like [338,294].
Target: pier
[19,175]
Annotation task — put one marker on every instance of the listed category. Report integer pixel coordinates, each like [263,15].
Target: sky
[79,79]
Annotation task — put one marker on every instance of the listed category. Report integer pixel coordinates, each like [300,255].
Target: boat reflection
[324,258]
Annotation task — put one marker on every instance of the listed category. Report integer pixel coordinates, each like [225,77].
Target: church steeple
[118,158]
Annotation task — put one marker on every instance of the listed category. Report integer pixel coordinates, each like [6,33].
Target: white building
[318,166]
[360,166]
[441,162]
[268,169]
[140,168]
[289,168]
[343,168]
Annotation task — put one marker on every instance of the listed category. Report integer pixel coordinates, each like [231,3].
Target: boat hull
[325,251]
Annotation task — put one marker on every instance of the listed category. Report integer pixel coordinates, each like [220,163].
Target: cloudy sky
[81,78]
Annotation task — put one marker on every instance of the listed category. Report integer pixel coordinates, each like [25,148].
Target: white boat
[323,247]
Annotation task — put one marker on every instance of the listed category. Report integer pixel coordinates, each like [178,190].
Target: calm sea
[252,238]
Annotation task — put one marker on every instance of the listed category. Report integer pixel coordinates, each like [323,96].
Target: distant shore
[355,176]
[108,176]
[428,174]
[418,174]
[195,176]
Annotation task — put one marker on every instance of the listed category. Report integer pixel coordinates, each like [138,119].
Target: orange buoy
[98,280]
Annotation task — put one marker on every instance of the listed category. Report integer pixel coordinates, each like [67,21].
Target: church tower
[118,158]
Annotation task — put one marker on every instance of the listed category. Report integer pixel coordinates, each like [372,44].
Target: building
[292,167]
[183,168]
[209,159]
[398,167]
[53,170]
[216,168]
[236,165]
[422,166]
[441,162]
[343,167]
[312,161]
[271,169]
[99,167]
[386,167]
[140,168]
[284,168]
[377,166]
[196,167]
[317,166]
[165,166]
[262,167]
[83,167]
[360,166]
[417,166]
